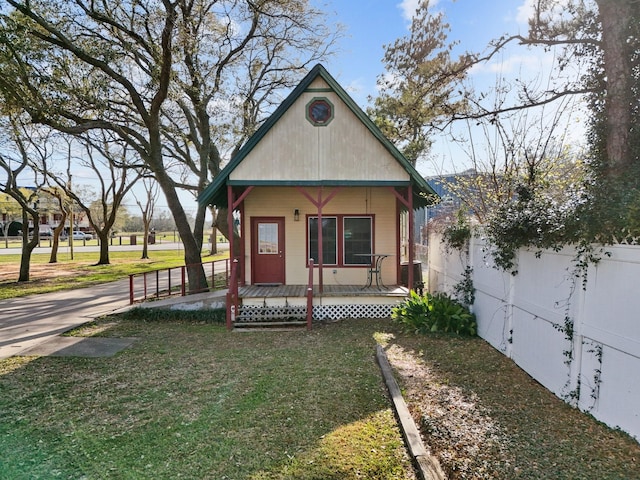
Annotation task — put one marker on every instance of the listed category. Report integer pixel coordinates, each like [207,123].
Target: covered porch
[288,305]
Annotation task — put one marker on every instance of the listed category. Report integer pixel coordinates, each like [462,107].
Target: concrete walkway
[32,325]
[33,320]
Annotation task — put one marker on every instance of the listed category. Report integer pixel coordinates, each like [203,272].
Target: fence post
[130,289]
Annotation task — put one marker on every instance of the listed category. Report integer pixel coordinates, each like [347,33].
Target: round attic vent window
[320,111]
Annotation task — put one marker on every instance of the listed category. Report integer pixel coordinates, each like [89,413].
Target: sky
[372,24]
[369,25]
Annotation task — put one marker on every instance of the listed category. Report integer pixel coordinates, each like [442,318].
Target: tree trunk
[214,240]
[145,240]
[27,246]
[103,235]
[223,226]
[53,258]
[192,249]
[615,16]
[198,228]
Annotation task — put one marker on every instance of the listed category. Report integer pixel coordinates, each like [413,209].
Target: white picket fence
[597,365]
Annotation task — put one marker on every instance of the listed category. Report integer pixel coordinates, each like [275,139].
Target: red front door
[267,250]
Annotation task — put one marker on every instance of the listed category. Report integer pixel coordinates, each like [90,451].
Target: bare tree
[147,209]
[527,148]
[114,171]
[224,88]
[20,145]
[602,36]
[61,199]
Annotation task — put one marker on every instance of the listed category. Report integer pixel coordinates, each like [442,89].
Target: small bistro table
[375,268]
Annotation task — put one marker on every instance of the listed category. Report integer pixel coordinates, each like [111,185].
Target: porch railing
[166,282]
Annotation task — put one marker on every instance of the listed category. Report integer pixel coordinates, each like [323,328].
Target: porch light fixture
[296,215]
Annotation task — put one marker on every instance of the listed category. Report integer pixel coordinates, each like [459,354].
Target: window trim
[340,238]
[308,109]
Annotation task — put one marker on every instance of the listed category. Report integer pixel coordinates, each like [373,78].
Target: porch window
[329,240]
[356,235]
[344,240]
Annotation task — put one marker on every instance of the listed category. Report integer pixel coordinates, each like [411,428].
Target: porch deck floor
[272,291]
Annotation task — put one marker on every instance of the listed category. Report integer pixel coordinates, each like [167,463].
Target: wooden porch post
[230,220]
[408,203]
[320,238]
[410,236]
[319,203]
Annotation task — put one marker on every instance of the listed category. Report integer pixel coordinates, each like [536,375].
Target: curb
[427,465]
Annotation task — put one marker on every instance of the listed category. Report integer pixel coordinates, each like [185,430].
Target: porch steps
[254,318]
[268,326]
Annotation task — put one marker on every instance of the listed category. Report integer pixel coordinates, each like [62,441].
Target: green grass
[82,271]
[488,419]
[191,400]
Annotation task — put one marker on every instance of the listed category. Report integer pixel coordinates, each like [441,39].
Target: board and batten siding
[282,201]
[296,150]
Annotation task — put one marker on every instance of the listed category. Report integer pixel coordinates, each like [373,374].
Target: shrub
[434,313]
[457,235]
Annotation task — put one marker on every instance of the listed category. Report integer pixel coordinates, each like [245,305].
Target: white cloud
[409,7]
[527,9]
[525,12]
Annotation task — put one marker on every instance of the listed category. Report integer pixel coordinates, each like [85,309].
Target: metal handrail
[161,282]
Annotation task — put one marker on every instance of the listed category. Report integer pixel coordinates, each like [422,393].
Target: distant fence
[582,344]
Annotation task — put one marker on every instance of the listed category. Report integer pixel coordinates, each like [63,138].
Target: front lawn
[191,400]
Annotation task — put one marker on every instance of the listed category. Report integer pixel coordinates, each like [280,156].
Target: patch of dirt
[37,271]
[464,438]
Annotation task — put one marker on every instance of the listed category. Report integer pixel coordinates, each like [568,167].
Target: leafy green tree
[127,67]
[417,91]
[109,68]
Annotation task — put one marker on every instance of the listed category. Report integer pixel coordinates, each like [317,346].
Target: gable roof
[215,193]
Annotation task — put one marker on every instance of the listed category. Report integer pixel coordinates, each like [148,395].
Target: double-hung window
[346,239]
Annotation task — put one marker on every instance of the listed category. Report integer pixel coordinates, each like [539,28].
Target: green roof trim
[318,183]
[216,194]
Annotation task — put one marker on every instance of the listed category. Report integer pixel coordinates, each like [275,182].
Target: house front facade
[318,181]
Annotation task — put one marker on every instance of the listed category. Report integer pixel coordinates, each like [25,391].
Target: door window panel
[268,239]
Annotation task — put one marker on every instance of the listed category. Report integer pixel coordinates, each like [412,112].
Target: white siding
[296,150]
